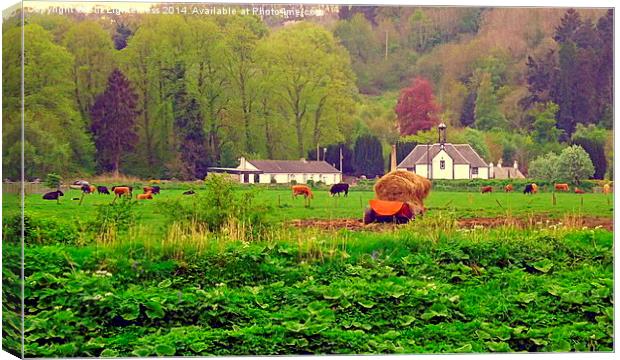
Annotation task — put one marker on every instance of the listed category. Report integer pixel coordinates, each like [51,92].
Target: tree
[313,84]
[541,76]
[468,116]
[575,164]
[416,108]
[92,50]
[121,33]
[189,129]
[368,156]
[55,135]
[403,148]
[592,140]
[113,122]
[546,167]
[544,126]
[604,73]
[488,114]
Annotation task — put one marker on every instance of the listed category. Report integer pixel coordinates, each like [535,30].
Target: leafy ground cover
[418,289]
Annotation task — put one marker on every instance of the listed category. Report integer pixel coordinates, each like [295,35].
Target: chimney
[242,163]
[393,158]
[491,171]
[303,160]
[499,163]
[515,165]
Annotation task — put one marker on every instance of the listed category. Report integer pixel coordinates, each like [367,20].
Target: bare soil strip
[534,222]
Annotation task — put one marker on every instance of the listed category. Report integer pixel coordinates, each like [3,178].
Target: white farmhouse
[283,171]
[445,161]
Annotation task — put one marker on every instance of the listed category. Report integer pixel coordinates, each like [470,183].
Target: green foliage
[592,139]
[488,114]
[386,296]
[217,205]
[53,181]
[368,156]
[544,127]
[119,215]
[546,167]
[575,164]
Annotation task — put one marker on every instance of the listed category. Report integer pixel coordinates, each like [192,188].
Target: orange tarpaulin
[386,208]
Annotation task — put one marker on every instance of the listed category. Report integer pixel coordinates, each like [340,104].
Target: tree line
[192,92]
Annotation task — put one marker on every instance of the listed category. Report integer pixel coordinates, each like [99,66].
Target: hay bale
[413,190]
[401,185]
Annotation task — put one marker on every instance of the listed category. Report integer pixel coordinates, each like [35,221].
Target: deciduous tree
[416,108]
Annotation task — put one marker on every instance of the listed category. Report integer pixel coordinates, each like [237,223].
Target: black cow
[53,195]
[189,192]
[85,189]
[155,189]
[338,188]
[103,190]
[528,189]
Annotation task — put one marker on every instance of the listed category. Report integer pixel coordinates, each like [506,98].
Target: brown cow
[122,190]
[508,188]
[486,189]
[148,189]
[302,190]
[145,196]
[579,191]
[561,187]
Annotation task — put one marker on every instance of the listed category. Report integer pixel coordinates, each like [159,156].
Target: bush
[217,205]
[44,231]
[119,215]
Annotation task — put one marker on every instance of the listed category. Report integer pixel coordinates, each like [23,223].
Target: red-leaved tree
[416,108]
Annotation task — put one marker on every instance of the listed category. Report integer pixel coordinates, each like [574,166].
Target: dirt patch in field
[539,221]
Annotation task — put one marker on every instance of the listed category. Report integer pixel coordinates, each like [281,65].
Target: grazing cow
[534,188]
[122,190]
[338,188]
[561,187]
[508,188]
[302,190]
[486,189]
[103,190]
[189,192]
[145,196]
[147,189]
[528,189]
[579,191]
[155,189]
[606,189]
[86,189]
[53,195]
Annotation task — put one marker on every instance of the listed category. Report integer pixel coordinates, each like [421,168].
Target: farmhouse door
[246,178]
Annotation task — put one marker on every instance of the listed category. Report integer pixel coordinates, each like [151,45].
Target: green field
[167,287]
[464,205]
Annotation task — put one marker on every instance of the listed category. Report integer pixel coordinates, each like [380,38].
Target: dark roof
[233,170]
[471,155]
[293,166]
[460,154]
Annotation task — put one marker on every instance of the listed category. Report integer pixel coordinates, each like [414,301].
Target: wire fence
[29,188]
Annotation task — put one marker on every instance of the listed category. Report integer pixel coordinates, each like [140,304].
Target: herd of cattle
[533,189]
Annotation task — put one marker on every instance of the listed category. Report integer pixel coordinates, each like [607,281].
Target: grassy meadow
[323,206]
[171,277]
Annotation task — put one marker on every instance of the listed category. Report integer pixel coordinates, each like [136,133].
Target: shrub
[118,215]
[38,230]
[217,206]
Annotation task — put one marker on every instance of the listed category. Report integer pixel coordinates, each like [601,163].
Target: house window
[442,164]
[474,171]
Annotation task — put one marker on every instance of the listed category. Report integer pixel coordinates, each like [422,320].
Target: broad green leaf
[498,346]
[407,320]
[543,265]
[560,346]
[154,310]
[109,353]
[332,294]
[198,347]
[130,311]
[368,304]
[164,284]
[142,352]
[165,350]
[464,349]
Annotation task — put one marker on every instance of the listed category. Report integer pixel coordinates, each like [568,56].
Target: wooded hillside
[196,91]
